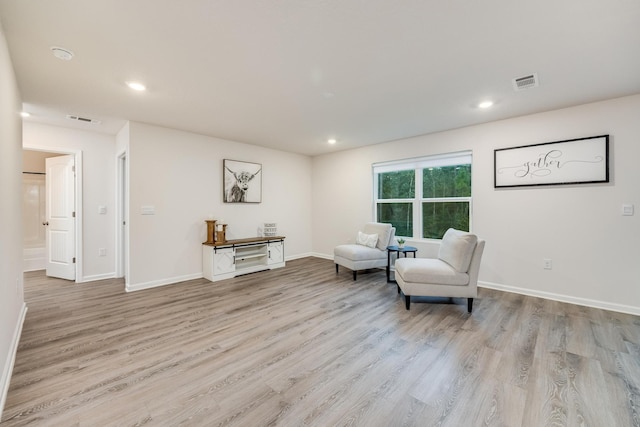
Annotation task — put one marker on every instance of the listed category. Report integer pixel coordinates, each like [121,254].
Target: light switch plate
[627,210]
[102,209]
[148,210]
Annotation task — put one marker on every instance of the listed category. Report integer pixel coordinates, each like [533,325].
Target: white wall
[12,307]
[98,188]
[180,174]
[594,248]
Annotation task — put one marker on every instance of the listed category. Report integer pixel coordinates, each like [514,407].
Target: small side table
[404,250]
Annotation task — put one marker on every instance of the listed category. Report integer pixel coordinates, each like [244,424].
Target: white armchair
[369,251]
[453,274]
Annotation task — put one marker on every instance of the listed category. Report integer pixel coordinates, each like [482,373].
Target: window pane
[398,214]
[447,181]
[438,217]
[397,185]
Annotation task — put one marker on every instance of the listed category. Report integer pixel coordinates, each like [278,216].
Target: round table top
[403,249]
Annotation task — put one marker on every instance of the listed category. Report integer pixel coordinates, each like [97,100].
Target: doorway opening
[36,254]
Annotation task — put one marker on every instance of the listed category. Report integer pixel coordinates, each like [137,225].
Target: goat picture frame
[242,182]
[574,161]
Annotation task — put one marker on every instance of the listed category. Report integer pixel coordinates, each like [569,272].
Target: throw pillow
[382,230]
[369,240]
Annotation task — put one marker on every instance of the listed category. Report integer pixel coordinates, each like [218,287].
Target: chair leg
[398,286]
[355,273]
[469,304]
[336,268]
[407,301]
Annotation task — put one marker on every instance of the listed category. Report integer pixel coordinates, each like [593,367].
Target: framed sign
[242,182]
[574,161]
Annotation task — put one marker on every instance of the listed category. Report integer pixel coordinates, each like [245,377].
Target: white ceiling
[289,74]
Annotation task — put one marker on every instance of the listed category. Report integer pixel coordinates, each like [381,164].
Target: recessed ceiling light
[136,86]
[485,104]
[62,53]
[25,114]
[332,141]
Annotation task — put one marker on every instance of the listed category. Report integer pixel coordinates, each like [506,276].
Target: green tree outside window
[444,201]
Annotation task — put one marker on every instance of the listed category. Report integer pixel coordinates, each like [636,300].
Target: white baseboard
[162,282]
[11,359]
[95,277]
[563,298]
[323,256]
[298,256]
[155,283]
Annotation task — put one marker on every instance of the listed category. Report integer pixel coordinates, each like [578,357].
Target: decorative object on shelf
[401,242]
[242,182]
[270,229]
[221,233]
[574,161]
[211,230]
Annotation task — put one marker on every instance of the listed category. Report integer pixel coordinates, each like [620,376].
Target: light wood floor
[303,346]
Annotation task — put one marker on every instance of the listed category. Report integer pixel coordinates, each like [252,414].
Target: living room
[321,200]
[316,208]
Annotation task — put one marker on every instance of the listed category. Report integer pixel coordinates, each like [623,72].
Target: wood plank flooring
[302,346]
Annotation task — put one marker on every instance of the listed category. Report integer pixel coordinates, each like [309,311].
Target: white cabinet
[276,252]
[223,261]
[234,257]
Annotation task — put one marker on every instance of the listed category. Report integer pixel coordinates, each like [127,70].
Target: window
[423,197]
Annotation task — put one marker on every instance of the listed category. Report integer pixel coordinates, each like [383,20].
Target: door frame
[78,199]
[122,215]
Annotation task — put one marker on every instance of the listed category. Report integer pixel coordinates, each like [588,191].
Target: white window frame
[418,164]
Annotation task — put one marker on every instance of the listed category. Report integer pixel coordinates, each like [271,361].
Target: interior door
[60,217]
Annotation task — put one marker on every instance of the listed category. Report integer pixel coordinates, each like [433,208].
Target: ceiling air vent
[83,119]
[525,82]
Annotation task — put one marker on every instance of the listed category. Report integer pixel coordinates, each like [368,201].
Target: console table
[231,258]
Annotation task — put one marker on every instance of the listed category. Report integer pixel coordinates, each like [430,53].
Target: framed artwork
[574,161]
[242,182]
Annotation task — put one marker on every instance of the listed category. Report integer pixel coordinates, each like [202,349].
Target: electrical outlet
[547,264]
[102,252]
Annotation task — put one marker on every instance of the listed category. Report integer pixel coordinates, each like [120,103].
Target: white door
[60,217]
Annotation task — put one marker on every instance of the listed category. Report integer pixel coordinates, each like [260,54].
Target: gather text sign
[574,161]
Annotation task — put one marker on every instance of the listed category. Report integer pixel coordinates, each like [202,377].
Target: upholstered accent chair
[453,274]
[369,251]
